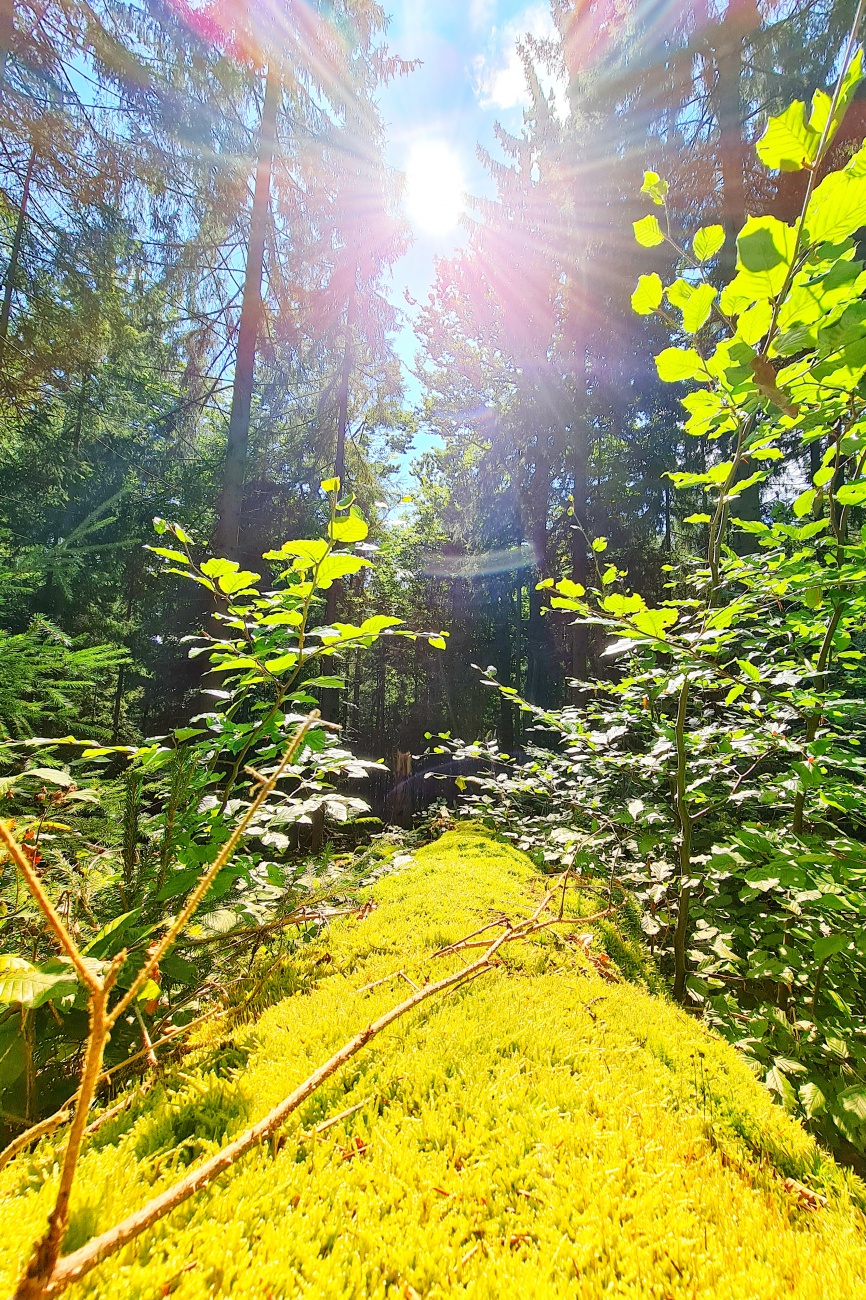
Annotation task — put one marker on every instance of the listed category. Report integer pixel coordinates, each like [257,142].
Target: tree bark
[14,259]
[579,566]
[234,468]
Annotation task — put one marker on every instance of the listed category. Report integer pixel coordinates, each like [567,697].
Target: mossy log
[543,1131]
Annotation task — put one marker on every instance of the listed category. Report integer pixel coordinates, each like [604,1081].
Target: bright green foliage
[541,1133]
[268,648]
[721,774]
[48,682]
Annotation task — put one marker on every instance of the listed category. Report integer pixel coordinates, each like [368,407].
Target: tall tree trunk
[234,468]
[14,260]
[579,565]
[330,700]
[345,377]
[504,661]
[740,20]
[7,37]
[728,49]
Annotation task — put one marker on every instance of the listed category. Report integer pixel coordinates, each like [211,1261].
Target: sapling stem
[34,1282]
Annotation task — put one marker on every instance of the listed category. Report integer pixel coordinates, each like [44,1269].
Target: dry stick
[80,1262]
[43,1260]
[524,933]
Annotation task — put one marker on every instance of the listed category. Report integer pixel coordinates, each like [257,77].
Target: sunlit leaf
[707,242]
[648,295]
[789,143]
[648,232]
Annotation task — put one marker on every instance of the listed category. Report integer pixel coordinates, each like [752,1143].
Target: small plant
[171,816]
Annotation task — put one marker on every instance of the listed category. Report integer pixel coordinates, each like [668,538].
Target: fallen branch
[73,1267]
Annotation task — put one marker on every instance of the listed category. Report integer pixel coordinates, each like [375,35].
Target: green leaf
[114,927]
[837,208]
[765,247]
[231,583]
[789,143]
[698,519]
[777,1082]
[216,568]
[804,502]
[813,1099]
[568,588]
[697,310]
[755,321]
[853,1101]
[599,545]
[822,103]
[655,187]
[648,295]
[177,557]
[648,232]
[149,990]
[307,552]
[53,775]
[623,606]
[828,946]
[377,623]
[350,529]
[23,984]
[750,670]
[330,683]
[707,242]
[232,663]
[655,622]
[338,566]
[677,364]
[437,642]
[330,485]
[679,292]
[282,662]
[852,494]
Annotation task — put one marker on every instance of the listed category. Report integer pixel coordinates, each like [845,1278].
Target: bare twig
[80,1262]
[398,974]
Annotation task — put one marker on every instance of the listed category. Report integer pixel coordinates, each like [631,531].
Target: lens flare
[434,187]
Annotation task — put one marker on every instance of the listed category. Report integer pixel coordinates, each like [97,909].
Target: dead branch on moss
[530,925]
[73,1267]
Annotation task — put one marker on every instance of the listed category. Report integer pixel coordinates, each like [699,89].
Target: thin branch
[80,1262]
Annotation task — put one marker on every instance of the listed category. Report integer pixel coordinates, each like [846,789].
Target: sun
[434,187]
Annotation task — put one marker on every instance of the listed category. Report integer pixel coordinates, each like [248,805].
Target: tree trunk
[728,48]
[330,700]
[579,565]
[7,37]
[234,469]
[14,260]
[346,375]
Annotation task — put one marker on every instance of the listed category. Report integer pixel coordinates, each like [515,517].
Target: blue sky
[470,77]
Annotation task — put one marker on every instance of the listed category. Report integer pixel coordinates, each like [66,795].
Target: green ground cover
[541,1132]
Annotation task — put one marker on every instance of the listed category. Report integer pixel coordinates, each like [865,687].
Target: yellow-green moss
[538,1133]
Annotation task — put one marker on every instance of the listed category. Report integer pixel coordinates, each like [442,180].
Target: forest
[516,621]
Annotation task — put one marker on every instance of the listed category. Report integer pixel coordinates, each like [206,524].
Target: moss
[538,1133]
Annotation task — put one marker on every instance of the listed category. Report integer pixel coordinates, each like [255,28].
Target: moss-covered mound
[541,1132]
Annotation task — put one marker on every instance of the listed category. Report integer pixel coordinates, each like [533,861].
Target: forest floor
[554,1127]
